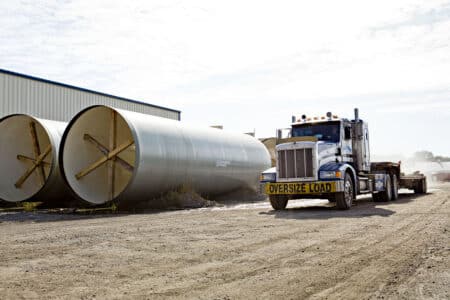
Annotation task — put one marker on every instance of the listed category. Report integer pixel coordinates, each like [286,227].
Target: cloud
[268,59]
[423,16]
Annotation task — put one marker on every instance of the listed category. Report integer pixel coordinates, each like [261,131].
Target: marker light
[330,174]
[264,177]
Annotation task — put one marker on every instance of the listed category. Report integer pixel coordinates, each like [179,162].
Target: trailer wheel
[344,199]
[386,195]
[421,187]
[424,190]
[394,187]
[278,202]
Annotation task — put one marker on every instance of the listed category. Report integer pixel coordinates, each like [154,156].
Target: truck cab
[328,157]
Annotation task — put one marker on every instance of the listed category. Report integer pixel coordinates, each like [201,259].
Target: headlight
[330,174]
[267,177]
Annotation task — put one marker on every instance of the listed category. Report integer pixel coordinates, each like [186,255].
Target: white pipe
[23,139]
[163,155]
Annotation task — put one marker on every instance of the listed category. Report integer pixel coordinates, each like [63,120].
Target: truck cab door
[346,143]
[366,157]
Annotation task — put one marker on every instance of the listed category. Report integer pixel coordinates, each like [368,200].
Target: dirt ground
[397,250]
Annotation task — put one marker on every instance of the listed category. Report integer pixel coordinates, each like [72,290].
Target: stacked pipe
[106,154]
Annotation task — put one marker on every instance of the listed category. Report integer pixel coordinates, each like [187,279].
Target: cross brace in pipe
[38,160]
[110,156]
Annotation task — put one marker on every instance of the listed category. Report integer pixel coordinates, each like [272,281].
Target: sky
[251,65]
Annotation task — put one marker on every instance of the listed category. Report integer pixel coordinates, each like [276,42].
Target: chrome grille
[295,163]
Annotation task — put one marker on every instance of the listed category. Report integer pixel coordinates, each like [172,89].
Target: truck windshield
[329,132]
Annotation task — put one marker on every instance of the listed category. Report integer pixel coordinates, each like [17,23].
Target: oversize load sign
[300,188]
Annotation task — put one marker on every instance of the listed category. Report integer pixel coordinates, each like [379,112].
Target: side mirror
[347,133]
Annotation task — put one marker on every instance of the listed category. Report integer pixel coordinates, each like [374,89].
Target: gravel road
[397,250]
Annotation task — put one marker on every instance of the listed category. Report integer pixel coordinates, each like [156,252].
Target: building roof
[85,90]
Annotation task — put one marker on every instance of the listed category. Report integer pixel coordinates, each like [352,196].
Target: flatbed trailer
[416,181]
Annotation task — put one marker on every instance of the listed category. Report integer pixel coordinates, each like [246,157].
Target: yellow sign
[300,188]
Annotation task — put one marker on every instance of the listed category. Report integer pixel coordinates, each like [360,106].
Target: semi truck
[328,157]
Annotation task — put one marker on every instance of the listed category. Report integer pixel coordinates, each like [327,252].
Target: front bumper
[303,188]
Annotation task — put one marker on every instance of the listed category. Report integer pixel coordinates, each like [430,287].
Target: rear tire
[421,187]
[278,202]
[376,197]
[424,191]
[344,200]
[394,187]
[386,195]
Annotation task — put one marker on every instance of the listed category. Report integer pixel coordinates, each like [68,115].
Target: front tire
[344,200]
[278,202]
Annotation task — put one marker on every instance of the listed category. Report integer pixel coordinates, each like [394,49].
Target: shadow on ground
[43,216]
[364,207]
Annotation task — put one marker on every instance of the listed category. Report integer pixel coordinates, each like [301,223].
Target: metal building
[47,99]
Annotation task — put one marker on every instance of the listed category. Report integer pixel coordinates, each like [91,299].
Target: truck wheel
[344,199]
[394,187]
[386,195]
[376,197]
[278,202]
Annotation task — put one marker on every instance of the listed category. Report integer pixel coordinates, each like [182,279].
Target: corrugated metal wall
[19,94]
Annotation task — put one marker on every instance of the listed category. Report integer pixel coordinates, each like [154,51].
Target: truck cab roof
[316,120]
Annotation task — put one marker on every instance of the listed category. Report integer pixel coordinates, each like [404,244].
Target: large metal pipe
[29,160]
[110,154]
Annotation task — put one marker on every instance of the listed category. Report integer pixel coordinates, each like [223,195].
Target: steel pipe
[110,154]
[29,160]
